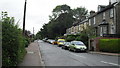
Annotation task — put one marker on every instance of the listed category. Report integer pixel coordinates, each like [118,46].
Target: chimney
[92,13]
[109,2]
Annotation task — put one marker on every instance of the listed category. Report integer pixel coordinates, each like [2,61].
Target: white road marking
[78,55]
[30,52]
[110,63]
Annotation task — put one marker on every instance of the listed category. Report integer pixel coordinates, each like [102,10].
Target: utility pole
[24,17]
[33,32]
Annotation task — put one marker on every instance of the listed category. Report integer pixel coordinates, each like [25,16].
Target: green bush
[78,38]
[27,41]
[13,44]
[82,37]
[110,45]
[70,38]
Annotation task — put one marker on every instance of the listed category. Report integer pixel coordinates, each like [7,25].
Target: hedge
[83,38]
[110,45]
[70,38]
[13,43]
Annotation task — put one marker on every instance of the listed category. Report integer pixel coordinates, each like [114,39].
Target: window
[79,27]
[111,13]
[101,30]
[94,20]
[103,15]
[104,30]
[112,29]
[89,22]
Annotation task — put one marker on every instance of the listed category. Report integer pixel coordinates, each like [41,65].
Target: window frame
[104,15]
[94,20]
[111,13]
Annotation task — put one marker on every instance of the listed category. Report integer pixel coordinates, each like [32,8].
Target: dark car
[66,45]
[45,39]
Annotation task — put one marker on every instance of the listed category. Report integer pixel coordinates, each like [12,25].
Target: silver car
[66,45]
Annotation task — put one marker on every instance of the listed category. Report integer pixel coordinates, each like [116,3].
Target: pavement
[33,56]
[105,53]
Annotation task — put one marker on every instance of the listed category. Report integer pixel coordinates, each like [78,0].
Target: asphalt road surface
[52,55]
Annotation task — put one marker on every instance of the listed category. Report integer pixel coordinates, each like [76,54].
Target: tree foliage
[58,10]
[62,18]
[80,13]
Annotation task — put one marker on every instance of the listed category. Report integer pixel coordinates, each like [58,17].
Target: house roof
[103,10]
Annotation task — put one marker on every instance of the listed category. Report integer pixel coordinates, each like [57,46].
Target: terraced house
[106,21]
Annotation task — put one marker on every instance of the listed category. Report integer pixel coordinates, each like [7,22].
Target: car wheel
[62,47]
[65,48]
[86,51]
[74,50]
[69,49]
[58,45]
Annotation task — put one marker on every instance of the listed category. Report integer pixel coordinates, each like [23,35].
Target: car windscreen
[78,43]
[61,41]
[67,43]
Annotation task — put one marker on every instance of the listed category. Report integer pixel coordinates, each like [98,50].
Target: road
[56,56]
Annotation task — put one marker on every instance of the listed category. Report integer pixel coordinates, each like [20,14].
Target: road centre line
[110,63]
[78,55]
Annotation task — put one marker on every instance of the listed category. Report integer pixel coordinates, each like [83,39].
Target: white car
[50,41]
[77,46]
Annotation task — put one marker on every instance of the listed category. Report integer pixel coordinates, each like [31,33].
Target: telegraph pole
[33,32]
[24,17]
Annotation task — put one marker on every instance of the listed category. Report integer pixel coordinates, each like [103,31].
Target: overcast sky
[38,11]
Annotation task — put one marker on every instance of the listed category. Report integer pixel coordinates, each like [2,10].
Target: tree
[60,9]
[80,13]
[60,20]
[43,31]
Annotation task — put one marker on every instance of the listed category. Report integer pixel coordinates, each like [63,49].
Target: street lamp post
[24,17]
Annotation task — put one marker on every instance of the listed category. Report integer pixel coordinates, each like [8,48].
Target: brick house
[105,21]
[77,27]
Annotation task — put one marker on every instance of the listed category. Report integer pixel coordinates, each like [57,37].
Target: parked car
[54,42]
[50,41]
[60,42]
[66,45]
[45,39]
[77,46]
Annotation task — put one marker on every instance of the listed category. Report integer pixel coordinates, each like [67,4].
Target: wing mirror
[73,44]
